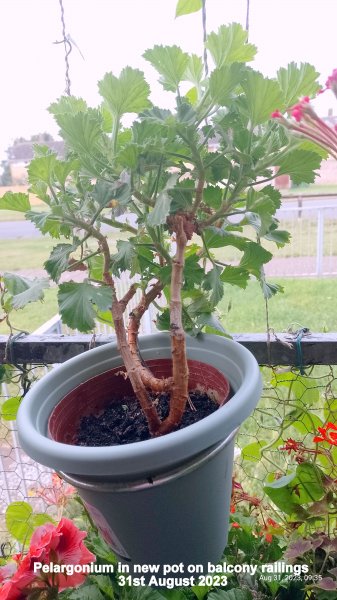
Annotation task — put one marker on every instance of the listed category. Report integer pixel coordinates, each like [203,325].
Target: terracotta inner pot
[92,396]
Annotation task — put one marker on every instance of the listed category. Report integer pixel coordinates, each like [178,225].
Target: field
[305,303]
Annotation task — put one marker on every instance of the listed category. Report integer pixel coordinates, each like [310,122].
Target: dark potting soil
[124,422]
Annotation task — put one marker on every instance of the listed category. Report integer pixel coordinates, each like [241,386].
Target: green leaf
[270,289]
[9,408]
[193,273]
[12,201]
[42,169]
[96,267]
[194,70]
[213,282]
[252,452]
[310,478]
[82,131]
[161,209]
[223,81]
[170,62]
[297,81]
[69,105]
[104,192]
[21,522]
[254,257]
[77,303]
[235,276]
[303,487]
[163,204]
[23,290]
[47,222]
[262,96]
[230,45]
[128,93]
[300,165]
[125,256]
[62,170]
[104,584]
[211,324]
[88,591]
[281,494]
[279,236]
[58,261]
[330,410]
[186,7]
[216,237]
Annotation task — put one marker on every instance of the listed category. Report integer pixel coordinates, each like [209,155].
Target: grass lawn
[24,253]
[33,315]
[304,303]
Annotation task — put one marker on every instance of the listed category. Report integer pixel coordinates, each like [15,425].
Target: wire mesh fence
[279,435]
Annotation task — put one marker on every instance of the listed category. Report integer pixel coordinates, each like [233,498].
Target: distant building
[22,151]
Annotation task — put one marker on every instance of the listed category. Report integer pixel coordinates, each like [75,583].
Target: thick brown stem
[117,310]
[149,380]
[179,394]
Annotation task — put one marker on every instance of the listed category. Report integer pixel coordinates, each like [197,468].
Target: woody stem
[179,393]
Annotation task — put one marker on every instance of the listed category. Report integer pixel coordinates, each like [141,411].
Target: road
[26,229]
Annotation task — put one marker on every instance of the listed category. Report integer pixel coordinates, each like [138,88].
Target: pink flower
[332,79]
[297,112]
[276,114]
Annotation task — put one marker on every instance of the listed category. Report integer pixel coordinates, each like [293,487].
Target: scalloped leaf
[15,201]
[230,45]
[223,81]
[213,282]
[170,62]
[300,165]
[262,96]
[128,93]
[23,290]
[296,81]
[77,302]
[58,261]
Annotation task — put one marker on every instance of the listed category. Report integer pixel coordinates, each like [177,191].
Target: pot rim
[150,456]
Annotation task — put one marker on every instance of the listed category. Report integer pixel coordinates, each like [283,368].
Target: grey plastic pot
[163,501]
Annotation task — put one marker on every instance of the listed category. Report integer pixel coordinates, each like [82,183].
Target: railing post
[320,242]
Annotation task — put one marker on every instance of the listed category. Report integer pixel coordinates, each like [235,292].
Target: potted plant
[179,187]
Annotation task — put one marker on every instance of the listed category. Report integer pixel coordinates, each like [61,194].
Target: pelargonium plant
[178,186]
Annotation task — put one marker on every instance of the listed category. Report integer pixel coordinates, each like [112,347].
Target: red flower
[269,530]
[276,114]
[236,525]
[62,545]
[326,435]
[291,445]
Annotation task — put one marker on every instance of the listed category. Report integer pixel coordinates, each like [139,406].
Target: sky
[111,34]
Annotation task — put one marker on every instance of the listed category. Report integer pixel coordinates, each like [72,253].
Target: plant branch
[148,379]
[179,394]
[117,310]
